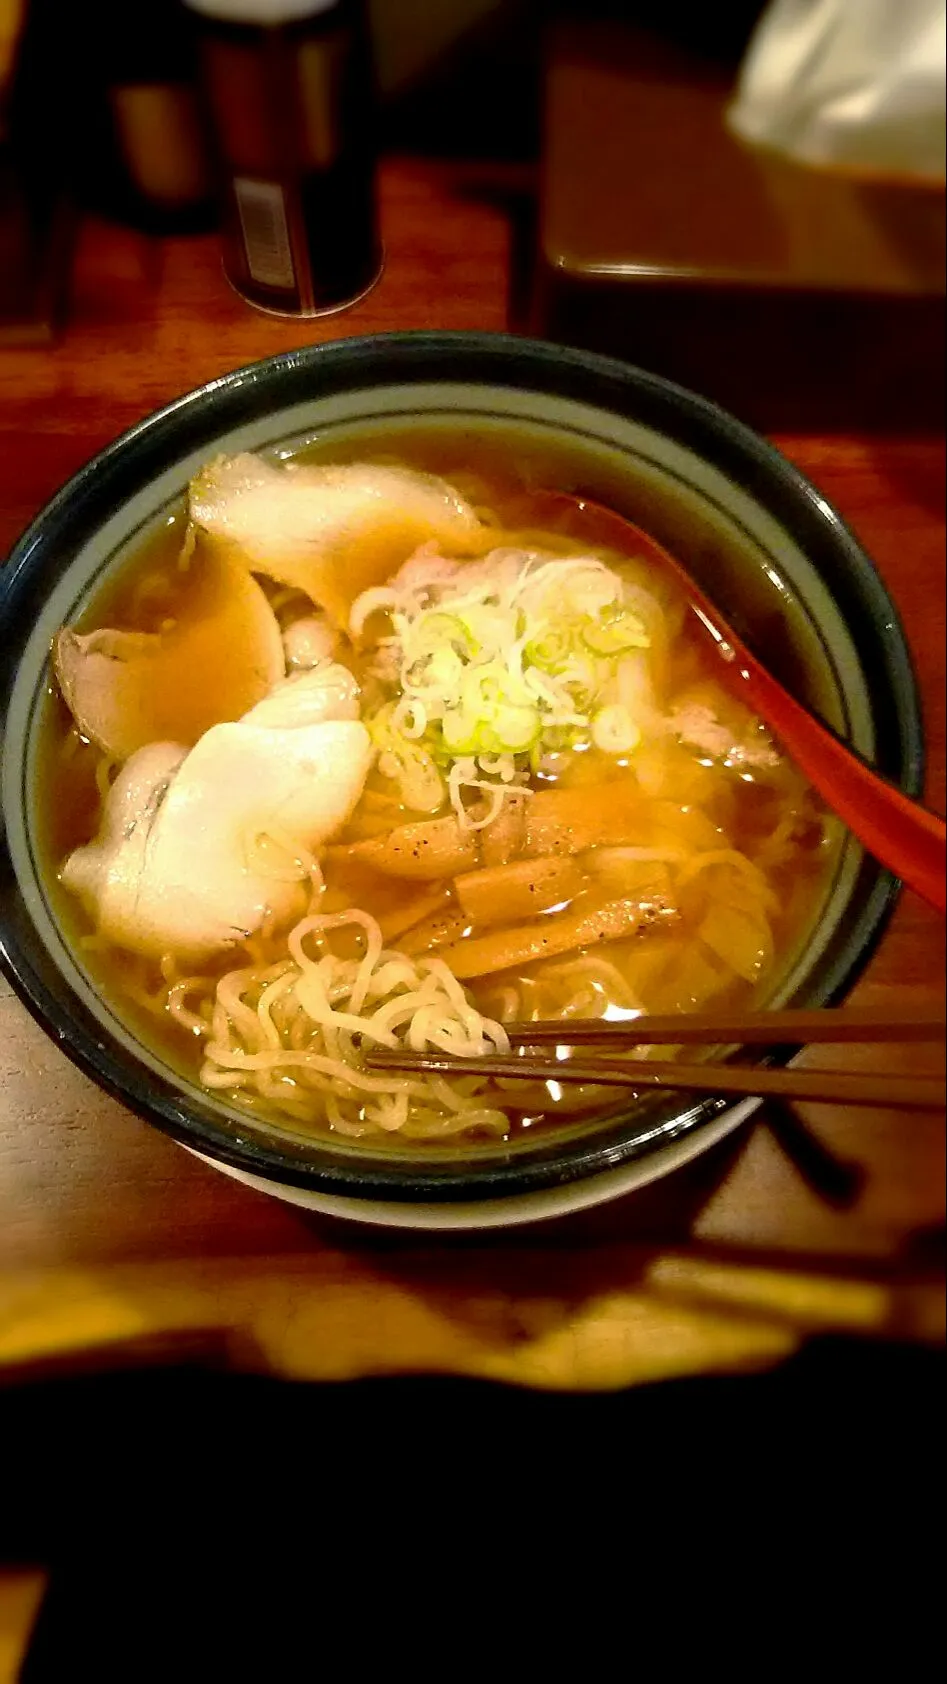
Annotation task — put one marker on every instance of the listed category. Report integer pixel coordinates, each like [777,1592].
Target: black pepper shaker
[288,86]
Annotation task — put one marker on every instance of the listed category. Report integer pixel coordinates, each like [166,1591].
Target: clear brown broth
[665,969]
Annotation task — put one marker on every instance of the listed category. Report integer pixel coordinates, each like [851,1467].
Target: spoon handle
[903,835]
[899,832]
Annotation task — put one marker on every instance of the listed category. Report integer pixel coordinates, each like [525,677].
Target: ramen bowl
[753,531]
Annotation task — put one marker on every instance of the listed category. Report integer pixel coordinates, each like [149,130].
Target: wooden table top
[114,1240]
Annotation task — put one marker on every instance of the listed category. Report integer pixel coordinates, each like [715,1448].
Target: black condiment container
[146,154]
[288,87]
[164,175]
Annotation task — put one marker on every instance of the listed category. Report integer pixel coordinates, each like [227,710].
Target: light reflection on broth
[665,874]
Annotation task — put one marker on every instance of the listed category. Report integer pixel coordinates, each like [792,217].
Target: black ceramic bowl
[749,526]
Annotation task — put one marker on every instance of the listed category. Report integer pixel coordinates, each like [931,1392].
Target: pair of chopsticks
[767,1028]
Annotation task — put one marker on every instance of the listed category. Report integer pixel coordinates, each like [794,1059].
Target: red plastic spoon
[900,833]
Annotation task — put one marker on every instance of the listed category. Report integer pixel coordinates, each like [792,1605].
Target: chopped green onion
[517,655]
[614,731]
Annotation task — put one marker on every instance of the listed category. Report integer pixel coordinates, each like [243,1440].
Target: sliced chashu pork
[328,691]
[197,850]
[329,531]
[222,654]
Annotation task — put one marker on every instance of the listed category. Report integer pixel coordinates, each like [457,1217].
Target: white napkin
[855,84]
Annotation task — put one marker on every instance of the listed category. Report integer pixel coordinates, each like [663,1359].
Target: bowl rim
[484,359]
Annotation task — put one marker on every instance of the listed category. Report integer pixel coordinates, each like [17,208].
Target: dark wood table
[115,1244]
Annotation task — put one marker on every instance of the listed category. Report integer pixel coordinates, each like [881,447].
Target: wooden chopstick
[768,1028]
[906,1093]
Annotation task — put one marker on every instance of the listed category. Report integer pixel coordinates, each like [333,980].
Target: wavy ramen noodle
[372,753]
